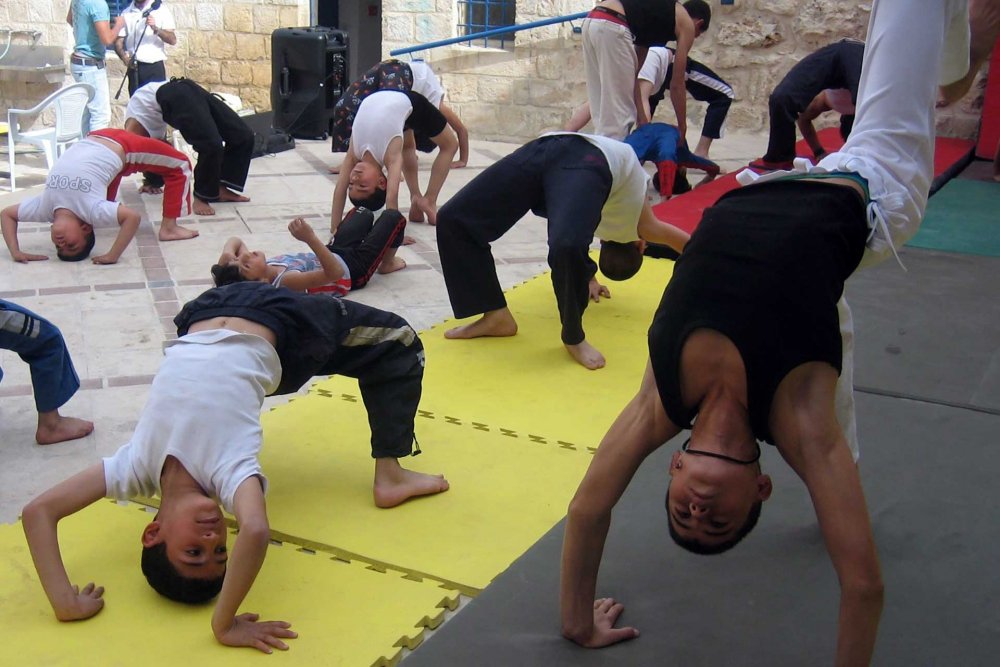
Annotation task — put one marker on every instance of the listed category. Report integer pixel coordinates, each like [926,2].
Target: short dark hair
[168,582]
[699,9]
[226,274]
[88,245]
[696,547]
[619,261]
[372,202]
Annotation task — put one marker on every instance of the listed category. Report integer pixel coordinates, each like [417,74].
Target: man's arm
[340,190]
[40,519]
[654,230]
[128,224]
[167,36]
[819,104]
[244,563]
[645,91]
[641,102]
[678,85]
[108,32]
[8,225]
[812,442]
[120,50]
[639,430]
[461,132]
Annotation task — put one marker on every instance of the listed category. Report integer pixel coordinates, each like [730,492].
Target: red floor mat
[684,211]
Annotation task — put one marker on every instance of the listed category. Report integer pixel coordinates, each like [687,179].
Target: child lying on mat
[661,144]
[197,441]
[359,249]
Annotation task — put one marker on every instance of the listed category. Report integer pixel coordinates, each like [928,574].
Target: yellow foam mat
[506,490]
[528,383]
[344,612]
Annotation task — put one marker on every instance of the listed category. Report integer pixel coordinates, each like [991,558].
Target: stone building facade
[503,94]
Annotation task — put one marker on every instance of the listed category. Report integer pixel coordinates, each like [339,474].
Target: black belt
[82,60]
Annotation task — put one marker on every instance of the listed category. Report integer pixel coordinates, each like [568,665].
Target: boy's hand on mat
[606,613]
[264,635]
[107,258]
[83,604]
[597,290]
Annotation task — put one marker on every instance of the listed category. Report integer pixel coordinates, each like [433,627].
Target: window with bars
[117,7]
[481,15]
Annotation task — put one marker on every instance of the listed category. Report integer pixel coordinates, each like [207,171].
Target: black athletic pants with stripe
[323,335]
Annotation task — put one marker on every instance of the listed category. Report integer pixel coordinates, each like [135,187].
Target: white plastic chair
[69,104]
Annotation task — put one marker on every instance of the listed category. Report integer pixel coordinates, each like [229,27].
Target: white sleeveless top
[379,120]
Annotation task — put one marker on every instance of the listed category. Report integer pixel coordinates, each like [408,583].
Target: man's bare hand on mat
[264,635]
[83,604]
[604,633]
[597,290]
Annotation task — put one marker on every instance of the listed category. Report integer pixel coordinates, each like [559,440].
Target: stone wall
[225,47]
[515,94]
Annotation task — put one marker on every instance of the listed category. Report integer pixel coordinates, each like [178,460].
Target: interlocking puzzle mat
[685,211]
[931,332]
[528,383]
[506,490]
[344,612]
[962,217]
[773,600]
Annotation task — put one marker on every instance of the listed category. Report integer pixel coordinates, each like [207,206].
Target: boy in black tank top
[747,341]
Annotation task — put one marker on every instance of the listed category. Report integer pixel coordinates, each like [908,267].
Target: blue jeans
[98,114]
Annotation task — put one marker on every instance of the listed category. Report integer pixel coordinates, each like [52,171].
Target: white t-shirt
[144,108]
[379,120]
[152,49]
[78,182]
[427,83]
[654,67]
[204,410]
[620,213]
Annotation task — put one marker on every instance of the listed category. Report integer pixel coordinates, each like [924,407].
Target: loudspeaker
[308,76]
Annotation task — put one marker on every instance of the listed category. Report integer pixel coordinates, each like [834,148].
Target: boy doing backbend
[81,188]
[382,152]
[746,341]
[198,449]
[361,247]
[586,186]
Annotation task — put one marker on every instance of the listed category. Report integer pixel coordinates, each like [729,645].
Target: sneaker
[761,165]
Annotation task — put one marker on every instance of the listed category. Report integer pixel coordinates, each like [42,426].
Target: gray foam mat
[928,472]
[931,332]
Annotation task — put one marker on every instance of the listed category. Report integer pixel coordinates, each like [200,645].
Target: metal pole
[487,33]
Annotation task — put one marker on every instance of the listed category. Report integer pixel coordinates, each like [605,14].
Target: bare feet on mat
[202,207]
[395,484]
[421,207]
[494,323]
[147,189]
[225,194]
[53,428]
[409,240]
[586,355]
[415,213]
[391,264]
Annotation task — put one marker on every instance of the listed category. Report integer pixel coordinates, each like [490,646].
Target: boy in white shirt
[197,440]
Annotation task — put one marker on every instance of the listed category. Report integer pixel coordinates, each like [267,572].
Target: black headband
[699,452]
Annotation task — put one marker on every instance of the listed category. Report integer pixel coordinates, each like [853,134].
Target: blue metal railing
[487,33]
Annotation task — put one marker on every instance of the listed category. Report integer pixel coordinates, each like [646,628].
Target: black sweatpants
[224,143]
[835,66]
[323,335]
[704,85]
[362,241]
[563,178]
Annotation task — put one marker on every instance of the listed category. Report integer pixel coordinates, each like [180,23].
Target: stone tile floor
[116,318]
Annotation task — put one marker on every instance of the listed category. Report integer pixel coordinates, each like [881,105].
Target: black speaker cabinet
[308,76]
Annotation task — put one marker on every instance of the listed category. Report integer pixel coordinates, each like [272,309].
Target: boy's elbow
[256,531]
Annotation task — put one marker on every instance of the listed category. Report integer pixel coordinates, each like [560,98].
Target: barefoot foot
[176,233]
[586,355]
[494,323]
[147,189]
[409,240]
[391,264]
[202,207]
[53,428]
[395,485]
[225,194]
